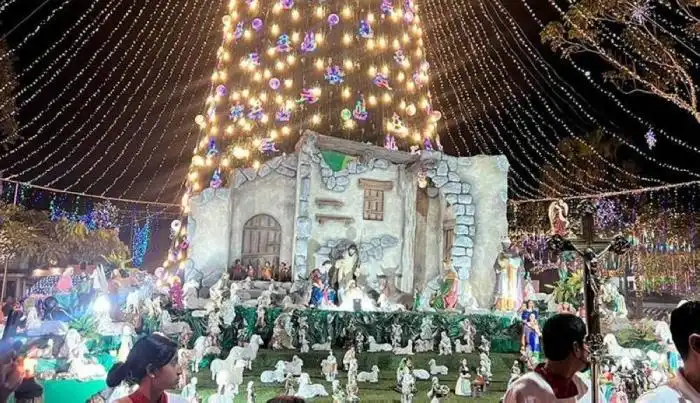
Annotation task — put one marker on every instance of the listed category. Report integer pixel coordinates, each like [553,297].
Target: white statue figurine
[282,333]
[265,298]
[250,398]
[33,322]
[303,341]
[437,391]
[233,293]
[485,366]
[445,344]
[290,385]
[260,317]
[189,392]
[352,391]
[408,383]
[216,291]
[214,325]
[396,333]
[426,329]
[464,382]
[348,357]
[338,392]
[485,346]
[329,367]
[514,372]
[127,341]
[359,342]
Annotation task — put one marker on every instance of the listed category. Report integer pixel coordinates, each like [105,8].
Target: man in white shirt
[565,355]
[685,330]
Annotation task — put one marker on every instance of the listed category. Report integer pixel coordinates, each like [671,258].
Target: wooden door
[262,235]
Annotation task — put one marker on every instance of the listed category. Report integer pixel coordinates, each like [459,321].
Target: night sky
[94,125]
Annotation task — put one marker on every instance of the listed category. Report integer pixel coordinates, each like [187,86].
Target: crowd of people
[567,354]
[264,271]
[152,364]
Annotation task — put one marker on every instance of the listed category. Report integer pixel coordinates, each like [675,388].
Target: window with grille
[374,198]
[374,205]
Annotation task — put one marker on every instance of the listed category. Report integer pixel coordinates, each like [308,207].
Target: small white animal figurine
[189,392]
[421,374]
[374,347]
[371,377]
[462,348]
[408,350]
[329,367]
[322,346]
[445,347]
[424,346]
[248,353]
[437,369]
[294,366]
[307,390]
[276,376]
[251,392]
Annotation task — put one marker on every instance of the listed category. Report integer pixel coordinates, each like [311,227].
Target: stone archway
[261,239]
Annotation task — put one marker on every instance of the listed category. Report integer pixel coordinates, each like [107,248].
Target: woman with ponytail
[152,365]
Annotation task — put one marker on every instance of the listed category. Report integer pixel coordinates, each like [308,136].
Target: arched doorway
[262,235]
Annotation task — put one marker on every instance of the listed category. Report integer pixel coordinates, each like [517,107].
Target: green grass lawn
[377,392]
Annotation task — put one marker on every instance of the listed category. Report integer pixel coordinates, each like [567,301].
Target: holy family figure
[333,279]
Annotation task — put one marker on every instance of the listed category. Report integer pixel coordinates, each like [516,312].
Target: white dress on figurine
[464,382]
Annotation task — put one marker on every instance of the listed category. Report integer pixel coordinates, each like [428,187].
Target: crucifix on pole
[591,248]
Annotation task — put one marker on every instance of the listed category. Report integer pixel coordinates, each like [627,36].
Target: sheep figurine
[437,369]
[371,377]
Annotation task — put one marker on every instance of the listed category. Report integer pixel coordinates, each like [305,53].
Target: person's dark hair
[286,399]
[559,334]
[326,262]
[685,321]
[149,354]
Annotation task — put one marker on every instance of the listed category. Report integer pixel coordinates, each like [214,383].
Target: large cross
[590,248]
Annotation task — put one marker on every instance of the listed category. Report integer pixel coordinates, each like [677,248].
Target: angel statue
[558,211]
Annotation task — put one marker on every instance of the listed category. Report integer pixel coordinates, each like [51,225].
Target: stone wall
[270,190]
[330,210]
[475,188]
[208,229]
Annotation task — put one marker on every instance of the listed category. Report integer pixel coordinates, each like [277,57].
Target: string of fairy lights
[96,138]
[442,44]
[64,106]
[613,97]
[178,107]
[491,102]
[85,34]
[45,22]
[153,102]
[572,96]
[545,68]
[136,58]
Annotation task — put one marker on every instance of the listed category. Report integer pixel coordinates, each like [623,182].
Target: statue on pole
[592,291]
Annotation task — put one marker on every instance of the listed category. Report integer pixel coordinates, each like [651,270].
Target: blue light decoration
[102,215]
[140,241]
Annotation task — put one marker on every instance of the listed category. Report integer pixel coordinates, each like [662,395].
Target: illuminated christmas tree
[355,70]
